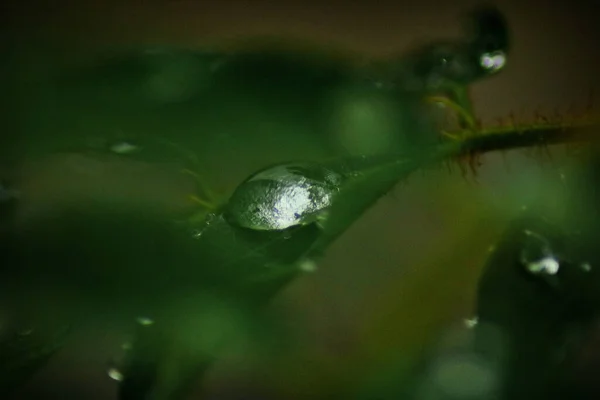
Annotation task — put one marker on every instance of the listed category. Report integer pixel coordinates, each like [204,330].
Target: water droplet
[307,265]
[537,255]
[587,267]
[197,233]
[494,61]
[283,196]
[123,148]
[547,265]
[145,321]
[472,322]
[115,374]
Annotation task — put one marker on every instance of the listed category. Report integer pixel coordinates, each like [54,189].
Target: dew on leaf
[537,255]
[471,323]
[586,267]
[283,196]
[144,321]
[493,61]
[115,374]
[124,148]
[307,265]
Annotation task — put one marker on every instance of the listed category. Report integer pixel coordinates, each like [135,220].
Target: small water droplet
[307,265]
[123,148]
[547,265]
[144,321]
[472,322]
[587,267]
[493,61]
[115,374]
[209,219]
[537,255]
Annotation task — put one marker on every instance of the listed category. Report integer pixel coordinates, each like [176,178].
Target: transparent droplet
[307,265]
[283,196]
[587,267]
[115,374]
[145,321]
[123,148]
[197,233]
[494,61]
[537,255]
[472,322]
[547,265]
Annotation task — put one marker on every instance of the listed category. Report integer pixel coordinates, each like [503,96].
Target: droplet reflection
[537,255]
[145,321]
[307,265]
[283,196]
[115,374]
[472,322]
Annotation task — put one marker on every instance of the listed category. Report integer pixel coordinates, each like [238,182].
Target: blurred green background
[401,279]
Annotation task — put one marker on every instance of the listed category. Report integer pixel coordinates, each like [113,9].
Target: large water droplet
[283,196]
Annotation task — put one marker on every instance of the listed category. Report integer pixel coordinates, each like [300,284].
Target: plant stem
[536,135]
